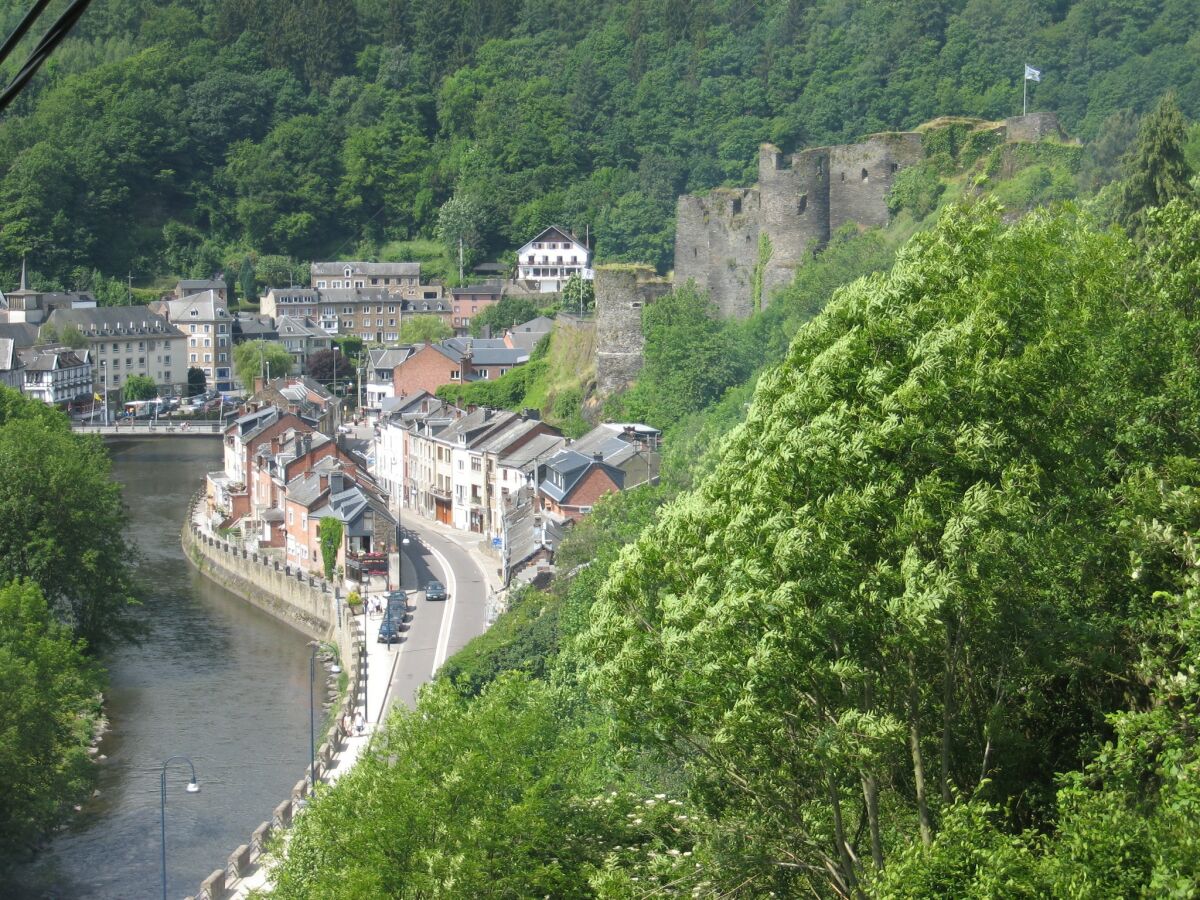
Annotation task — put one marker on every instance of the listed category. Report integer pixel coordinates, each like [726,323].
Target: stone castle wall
[622,292]
[799,201]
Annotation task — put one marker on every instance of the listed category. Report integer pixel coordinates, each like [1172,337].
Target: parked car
[389,630]
[397,605]
[435,590]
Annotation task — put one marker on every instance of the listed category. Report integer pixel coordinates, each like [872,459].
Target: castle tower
[622,292]
[795,210]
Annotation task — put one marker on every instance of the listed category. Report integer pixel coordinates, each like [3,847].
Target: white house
[56,374]
[551,258]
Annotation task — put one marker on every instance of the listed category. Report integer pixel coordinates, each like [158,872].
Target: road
[434,630]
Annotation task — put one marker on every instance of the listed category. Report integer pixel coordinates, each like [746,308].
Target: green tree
[48,699]
[62,524]
[460,226]
[422,329]
[328,366]
[1157,170]
[247,285]
[139,387]
[506,313]
[578,295]
[330,530]
[253,359]
[196,381]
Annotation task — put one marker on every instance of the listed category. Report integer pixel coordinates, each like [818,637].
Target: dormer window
[347,271]
[194,313]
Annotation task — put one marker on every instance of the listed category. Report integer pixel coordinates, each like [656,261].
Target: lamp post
[192,788]
[312,732]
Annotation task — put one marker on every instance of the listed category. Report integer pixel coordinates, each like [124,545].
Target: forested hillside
[181,137]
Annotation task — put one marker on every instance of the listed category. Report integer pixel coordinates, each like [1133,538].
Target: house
[10,364]
[124,341]
[297,302]
[302,337]
[529,540]
[25,305]
[375,314]
[395,457]
[327,491]
[521,468]
[527,335]
[56,375]
[574,482]
[429,467]
[379,386]
[301,396]
[206,321]
[632,447]
[228,492]
[22,334]
[554,255]
[454,361]
[252,327]
[187,287]
[467,302]
[400,279]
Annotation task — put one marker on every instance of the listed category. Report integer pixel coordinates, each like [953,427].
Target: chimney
[487,332]
[598,457]
[534,415]
[337,482]
[487,413]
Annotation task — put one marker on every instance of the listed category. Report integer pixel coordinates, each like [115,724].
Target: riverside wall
[313,607]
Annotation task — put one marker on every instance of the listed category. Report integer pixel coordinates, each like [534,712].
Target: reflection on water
[215,680]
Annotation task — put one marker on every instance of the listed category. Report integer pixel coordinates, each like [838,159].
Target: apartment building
[206,321]
[128,340]
[374,314]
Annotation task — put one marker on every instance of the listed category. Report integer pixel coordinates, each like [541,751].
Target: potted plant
[355,601]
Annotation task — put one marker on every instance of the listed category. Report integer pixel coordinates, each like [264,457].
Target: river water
[215,680]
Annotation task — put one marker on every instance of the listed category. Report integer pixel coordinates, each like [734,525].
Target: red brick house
[574,483]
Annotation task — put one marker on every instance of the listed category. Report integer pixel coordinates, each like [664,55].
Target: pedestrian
[346,723]
[358,723]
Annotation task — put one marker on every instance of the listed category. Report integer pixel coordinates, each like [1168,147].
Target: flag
[1032,74]
[98,398]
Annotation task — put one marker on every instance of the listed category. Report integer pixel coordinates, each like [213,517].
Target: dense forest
[180,138]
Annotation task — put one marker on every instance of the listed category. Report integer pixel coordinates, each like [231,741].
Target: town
[297,451]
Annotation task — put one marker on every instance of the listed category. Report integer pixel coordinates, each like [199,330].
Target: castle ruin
[741,244]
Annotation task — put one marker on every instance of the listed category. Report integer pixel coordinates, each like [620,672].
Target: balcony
[440,493]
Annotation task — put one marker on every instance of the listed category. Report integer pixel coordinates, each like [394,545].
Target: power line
[50,40]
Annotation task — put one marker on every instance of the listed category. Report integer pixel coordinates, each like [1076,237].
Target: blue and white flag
[1032,74]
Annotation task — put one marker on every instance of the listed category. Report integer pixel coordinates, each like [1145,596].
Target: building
[527,335]
[26,306]
[400,279]
[327,491]
[186,287]
[467,302]
[379,386]
[56,375]
[374,314]
[301,396]
[546,262]
[574,482]
[519,470]
[455,361]
[251,327]
[124,341]
[206,321]
[10,364]
[302,337]
[632,447]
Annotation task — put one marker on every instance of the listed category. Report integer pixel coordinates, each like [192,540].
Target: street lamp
[192,788]
[312,733]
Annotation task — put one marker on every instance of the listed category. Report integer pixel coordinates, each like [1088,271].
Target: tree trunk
[947,714]
[839,833]
[914,743]
[871,797]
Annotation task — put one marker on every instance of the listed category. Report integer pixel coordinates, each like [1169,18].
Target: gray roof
[110,321]
[8,355]
[207,307]
[475,426]
[50,359]
[512,430]
[300,326]
[572,466]
[389,357]
[537,325]
[22,334]
[392,270]
[539,447]
[493,289]
[524,536]
[250,326]
[462,344]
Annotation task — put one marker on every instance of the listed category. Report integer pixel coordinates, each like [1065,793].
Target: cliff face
[800,199]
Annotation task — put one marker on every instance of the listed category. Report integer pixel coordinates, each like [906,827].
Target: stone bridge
[154,429]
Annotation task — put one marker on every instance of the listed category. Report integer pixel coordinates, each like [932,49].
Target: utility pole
[460,259]
[129,295]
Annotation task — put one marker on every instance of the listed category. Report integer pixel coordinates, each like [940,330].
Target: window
[391,309]
[222,357]
[208,342]
[141,361]
[116,347]
[128,346]
[221,328]
[476,465]
[358,284]
[208,357]
[348,271]
[290,519]
[194,312]
[347,310]
[141,345]
[737,206]
[460,468]
[454,374]
[895,168]
[129,362]
[321,284]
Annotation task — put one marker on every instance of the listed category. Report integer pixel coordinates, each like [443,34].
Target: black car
[435,590]
[389,630]
[397,605]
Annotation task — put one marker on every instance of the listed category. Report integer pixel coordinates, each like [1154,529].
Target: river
[215,680]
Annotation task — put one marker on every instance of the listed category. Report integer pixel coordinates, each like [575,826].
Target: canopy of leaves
[252,358]
[1157,168]
[48,695]
[424,329]
[326,366]
[139,387]
[183,136]
[504,314]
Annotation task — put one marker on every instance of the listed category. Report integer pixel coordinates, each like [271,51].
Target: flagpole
[1024,90]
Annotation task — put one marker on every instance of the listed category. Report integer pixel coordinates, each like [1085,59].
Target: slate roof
[107,321]
[553,233]
[523,537]
[494,290]
[9,360]
[539,447]
[251,327]
[208,307]
[392,270]
[22,334]
[537,325]
[388,357]
[572,466]
[196,285]
[51,359]
[299,326]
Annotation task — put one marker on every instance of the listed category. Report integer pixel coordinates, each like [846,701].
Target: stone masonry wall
[622,292]
[862,176]
[716,244]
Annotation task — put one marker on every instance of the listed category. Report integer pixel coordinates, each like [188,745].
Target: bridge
[160,429]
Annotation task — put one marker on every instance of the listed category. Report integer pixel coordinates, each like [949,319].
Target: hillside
[182,137]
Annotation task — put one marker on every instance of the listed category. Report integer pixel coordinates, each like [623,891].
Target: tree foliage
[504,314]
[252,359]
[48,695]
[139,387]
[1157,169]
[424,329]
[330,532]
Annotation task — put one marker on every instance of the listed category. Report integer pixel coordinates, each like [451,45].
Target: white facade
[391,462]
[551,258]
[57,375]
